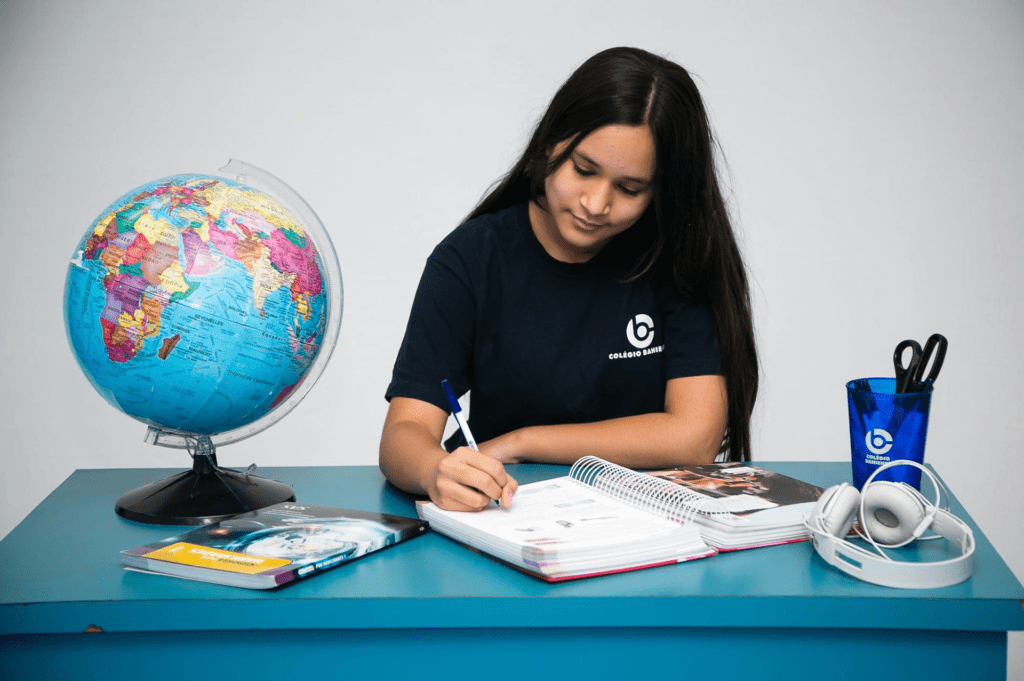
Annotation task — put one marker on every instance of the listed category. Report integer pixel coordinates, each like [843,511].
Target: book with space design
[272,546]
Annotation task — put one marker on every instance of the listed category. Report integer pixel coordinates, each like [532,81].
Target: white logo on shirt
[641,334]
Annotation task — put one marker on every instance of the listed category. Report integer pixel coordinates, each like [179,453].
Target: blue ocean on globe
[196,304]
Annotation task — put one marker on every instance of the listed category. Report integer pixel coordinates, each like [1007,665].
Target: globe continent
[196,304]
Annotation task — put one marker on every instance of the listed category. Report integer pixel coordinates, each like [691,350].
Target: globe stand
[206,494]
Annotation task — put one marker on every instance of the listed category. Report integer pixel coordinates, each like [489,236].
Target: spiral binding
[647,493]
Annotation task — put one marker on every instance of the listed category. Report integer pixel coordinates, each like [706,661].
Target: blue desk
[430,608]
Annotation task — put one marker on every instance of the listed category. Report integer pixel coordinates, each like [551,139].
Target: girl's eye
[628,191]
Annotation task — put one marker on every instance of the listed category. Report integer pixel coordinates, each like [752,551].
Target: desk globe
[205,306]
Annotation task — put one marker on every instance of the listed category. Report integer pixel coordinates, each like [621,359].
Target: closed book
[273,546]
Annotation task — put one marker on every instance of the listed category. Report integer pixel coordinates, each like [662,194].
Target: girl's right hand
[466,480]
[412,458]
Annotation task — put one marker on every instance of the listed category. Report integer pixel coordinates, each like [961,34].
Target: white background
[875,169]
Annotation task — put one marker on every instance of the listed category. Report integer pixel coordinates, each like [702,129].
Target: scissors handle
[905,372]
[934,352]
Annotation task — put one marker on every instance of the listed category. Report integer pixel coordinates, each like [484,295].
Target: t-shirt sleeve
[691,339]
[439,337]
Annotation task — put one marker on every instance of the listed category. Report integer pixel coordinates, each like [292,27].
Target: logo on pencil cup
[878,441]
[640,335]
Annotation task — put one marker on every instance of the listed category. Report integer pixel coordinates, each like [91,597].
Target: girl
[595,302]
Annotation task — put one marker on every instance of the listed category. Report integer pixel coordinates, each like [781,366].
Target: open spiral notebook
[603,518]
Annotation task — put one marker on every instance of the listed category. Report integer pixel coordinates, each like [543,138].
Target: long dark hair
[685,233]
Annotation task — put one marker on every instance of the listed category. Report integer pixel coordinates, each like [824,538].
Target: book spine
[652,495]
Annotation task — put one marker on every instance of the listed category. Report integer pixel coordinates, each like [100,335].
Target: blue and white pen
[457,413]
[460,418]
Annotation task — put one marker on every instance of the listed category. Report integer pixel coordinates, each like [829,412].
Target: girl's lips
[583,224]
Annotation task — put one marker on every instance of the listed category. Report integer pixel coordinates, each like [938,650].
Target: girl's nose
[596,198]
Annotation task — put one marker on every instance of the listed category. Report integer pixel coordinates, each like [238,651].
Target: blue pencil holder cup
[886,426]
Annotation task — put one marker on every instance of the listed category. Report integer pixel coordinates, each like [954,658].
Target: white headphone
[892,514]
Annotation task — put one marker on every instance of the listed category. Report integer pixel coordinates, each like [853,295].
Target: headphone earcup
[892,511]
[836,509]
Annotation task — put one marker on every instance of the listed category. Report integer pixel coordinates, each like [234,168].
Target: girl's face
[601,190]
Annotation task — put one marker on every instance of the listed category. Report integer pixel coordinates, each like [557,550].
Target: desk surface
[60,573]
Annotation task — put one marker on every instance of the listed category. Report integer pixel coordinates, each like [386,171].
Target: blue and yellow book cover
[273,546]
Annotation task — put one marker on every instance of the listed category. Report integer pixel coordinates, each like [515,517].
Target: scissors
[910,378]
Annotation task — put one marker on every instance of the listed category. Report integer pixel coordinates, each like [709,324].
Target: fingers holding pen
[466,480]
[507,492]
[477,463]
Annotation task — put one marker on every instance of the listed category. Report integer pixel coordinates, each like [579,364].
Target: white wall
[876,166]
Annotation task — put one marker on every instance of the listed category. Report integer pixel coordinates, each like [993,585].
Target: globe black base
[206,494]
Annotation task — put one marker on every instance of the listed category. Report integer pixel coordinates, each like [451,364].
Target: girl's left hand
[507,448]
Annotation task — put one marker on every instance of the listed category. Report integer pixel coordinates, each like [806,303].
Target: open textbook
[740,506]
[569,527]
[604,518]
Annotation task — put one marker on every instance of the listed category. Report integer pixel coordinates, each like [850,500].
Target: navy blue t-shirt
[539,341]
